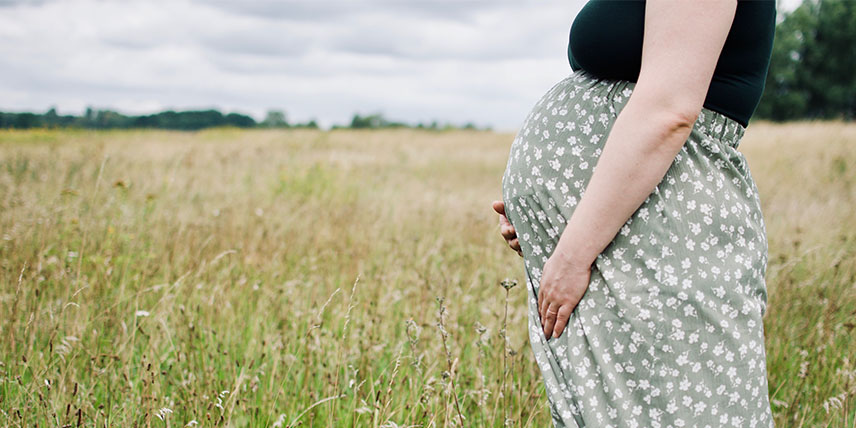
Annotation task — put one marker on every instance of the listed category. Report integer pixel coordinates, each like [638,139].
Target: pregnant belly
[557,147]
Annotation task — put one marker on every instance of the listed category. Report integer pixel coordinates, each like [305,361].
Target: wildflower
[508,284]
[279,421]
[161,414]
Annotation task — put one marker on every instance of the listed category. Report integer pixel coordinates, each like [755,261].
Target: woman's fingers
[550,319]
[543,303]
[562,320]
[506,229]
[503,220]
[515,245]
[504,224]
[499,207]
[560,291]
[508,232]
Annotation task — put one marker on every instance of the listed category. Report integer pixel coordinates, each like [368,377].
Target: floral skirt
[669,332]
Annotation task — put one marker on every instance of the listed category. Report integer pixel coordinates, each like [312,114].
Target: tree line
[377,121]
[196,120]
[179,120]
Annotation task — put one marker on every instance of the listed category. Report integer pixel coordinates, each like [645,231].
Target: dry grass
[282,278]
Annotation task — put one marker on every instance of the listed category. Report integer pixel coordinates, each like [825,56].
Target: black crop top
[606,40]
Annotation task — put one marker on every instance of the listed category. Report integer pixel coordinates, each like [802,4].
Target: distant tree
[275,119]
[311,124]
[375,121]
[362,122]
[812,65]
[26,120]
[51,119]
[108,119]
[240,120]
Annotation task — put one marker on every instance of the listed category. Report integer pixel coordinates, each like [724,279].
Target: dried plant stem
[444,334]
[506,393]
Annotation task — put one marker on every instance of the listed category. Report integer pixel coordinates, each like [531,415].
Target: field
[285,278]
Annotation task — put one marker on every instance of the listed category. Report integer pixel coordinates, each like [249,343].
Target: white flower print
[669,333]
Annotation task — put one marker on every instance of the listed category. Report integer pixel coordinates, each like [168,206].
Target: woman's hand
[563,283]
[506,229]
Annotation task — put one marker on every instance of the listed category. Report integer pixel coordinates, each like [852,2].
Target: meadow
[345,279]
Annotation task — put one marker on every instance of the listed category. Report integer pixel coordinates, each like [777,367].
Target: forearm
[641,146]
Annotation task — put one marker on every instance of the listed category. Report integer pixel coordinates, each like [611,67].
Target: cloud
[414,60]
[335,10]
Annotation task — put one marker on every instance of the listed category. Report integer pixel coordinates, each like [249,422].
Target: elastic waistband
[720,126]
[712,123]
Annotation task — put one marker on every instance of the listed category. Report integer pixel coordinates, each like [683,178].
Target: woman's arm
[680,49]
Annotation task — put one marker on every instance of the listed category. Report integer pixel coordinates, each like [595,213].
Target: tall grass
[346,278]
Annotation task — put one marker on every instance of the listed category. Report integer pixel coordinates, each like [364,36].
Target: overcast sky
[485,61]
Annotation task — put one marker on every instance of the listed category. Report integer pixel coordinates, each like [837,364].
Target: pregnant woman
[639,223]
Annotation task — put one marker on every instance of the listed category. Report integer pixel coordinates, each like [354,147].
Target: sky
[457,61]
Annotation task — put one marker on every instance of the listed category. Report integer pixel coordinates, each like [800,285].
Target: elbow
[672,112]
[670,120]
[671,109]
[674,126]
[673,118]
[668,126]
[684,114]
[679,119]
